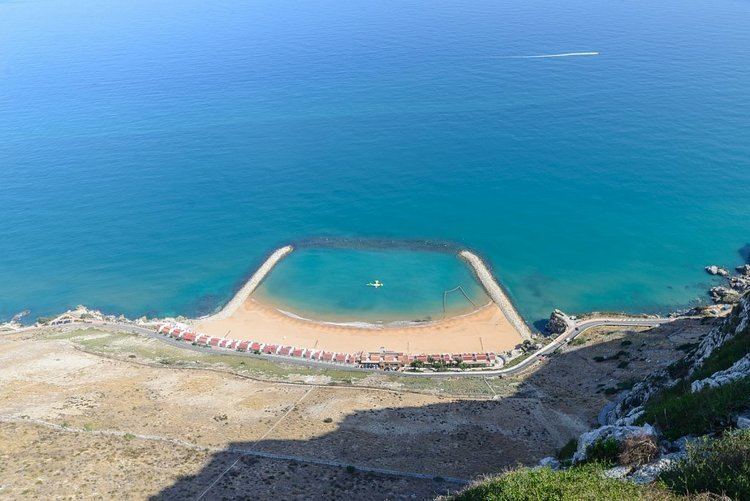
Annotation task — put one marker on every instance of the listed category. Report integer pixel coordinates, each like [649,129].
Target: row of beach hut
[386,360]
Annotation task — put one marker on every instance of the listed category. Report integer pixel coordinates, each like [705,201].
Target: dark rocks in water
[740,283]
[724,295]
[744,270]
[717,270]
[709,310]
[557,323]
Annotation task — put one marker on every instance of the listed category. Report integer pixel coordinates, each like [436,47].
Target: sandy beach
[484,330]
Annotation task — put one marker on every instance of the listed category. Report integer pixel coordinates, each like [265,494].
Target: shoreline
[495,327]
[376,325]
[485,329]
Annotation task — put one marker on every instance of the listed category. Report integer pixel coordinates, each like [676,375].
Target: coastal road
[575,328]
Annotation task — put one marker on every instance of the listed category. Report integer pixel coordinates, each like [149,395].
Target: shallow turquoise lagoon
[153,153]
[332,284]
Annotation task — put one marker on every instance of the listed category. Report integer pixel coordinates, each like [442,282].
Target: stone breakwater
[252,284]
[496,293]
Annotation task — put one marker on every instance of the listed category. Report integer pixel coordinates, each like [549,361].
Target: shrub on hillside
[603,451]
[719,466]
[724,356]
[679,412]
[567,450]
[584,482]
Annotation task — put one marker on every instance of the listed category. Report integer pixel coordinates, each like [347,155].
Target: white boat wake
[545,56]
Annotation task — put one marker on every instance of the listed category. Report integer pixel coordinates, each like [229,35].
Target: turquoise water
[153,153]
[332,284]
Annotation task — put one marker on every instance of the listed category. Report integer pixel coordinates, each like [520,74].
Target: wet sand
[484,330]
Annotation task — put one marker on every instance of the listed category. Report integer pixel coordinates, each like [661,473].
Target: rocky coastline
[623,424]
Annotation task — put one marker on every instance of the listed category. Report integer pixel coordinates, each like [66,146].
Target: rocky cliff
[735,324]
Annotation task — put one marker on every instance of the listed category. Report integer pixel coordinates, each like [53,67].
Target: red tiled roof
[214,341]
[327,356]
[255,346]
[297,352]
[285,350]
[190,336]
[243,345]
[341,357]
[270,349]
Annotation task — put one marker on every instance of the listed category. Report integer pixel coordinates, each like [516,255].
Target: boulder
[717,270]
[743,422]
[549,462]
[557,323]
[744,270]
[740,284]
[619,433]
[724,295]
[680,445]
[649,472]
[618,472]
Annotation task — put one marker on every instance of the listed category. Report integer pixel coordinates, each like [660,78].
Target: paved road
[575,328]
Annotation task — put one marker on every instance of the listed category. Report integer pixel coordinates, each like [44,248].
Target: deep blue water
[152,153]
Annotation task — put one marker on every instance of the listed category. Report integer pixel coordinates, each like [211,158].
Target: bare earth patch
[133,417]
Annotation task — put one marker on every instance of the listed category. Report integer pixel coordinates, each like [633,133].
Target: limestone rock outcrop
[619,433]
[558,322]
[717,270]
[723,294]
[631,406]
[738,370]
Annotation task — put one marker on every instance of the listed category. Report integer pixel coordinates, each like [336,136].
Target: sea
[154,153]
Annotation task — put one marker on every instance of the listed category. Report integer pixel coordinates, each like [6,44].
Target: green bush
[678,412]
[719,466]
[603,451]
[584,482]
[567,450]
[724,356]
